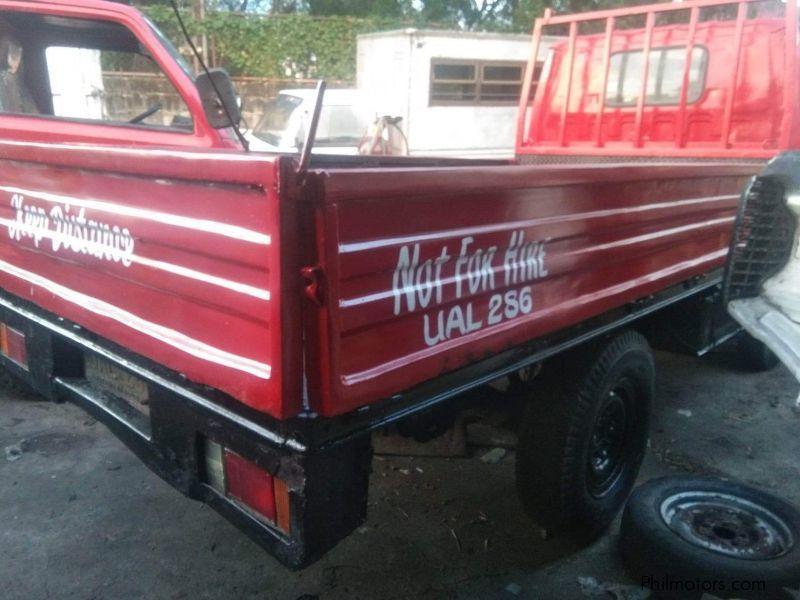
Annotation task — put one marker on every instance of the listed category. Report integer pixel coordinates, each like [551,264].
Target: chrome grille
[762,239]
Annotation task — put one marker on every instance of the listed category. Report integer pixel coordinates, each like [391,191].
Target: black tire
[755,355]
[652,548]
[565,482]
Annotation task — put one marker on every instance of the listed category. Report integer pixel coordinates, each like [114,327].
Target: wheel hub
[727,524]
[607,445]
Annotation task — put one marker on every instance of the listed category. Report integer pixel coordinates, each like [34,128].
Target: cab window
[664,76]
[80,69]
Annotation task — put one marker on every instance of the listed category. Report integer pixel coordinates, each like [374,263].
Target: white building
[457,92]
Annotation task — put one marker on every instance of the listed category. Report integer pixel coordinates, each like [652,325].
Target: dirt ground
[82,518]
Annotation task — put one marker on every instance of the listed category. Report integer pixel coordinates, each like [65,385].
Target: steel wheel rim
[727,525]
[609,443]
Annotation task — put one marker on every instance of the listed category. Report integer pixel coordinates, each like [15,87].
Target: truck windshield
[275,122]
[339,124]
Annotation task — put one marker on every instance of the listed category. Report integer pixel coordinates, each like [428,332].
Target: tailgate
[171,255]
[428,270]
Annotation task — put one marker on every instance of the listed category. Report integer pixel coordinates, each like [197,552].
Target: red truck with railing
[694,87]
[243,321]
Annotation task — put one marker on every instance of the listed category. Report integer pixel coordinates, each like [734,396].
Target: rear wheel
[584,434]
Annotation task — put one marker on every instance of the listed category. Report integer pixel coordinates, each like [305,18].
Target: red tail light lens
[248,484]
[12,345]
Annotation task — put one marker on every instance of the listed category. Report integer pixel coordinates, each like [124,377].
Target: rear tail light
[12,345]
[247,484]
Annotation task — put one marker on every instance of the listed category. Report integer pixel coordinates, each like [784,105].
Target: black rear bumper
[328,488]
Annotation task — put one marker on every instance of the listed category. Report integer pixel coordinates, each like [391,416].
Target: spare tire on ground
[685,536]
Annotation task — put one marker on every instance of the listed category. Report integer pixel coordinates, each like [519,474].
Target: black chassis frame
[325,461]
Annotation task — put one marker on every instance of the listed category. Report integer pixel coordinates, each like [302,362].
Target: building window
[456,82]
[664,76]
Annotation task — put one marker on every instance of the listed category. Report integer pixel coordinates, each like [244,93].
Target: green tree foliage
[317,38]
[359,8]
[280,46]
[469,14]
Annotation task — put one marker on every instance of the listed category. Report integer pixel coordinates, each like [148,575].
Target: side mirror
[219,98]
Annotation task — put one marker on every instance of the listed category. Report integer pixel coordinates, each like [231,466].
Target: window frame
[613,102]
[479,65]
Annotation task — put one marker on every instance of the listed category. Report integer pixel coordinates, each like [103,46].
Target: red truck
[243,321]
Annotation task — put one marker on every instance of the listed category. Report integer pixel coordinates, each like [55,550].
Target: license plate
[109,378]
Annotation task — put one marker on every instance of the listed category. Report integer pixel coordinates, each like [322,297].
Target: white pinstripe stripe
[227,284]
[166,335]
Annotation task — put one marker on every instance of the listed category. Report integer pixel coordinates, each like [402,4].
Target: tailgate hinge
[313,284]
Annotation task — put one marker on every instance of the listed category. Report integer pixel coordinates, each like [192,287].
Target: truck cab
[54,36]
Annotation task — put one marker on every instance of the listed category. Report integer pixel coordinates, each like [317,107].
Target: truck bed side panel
[430,270]
[170,255]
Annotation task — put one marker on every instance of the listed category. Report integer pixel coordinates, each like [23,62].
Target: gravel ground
[82,518]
